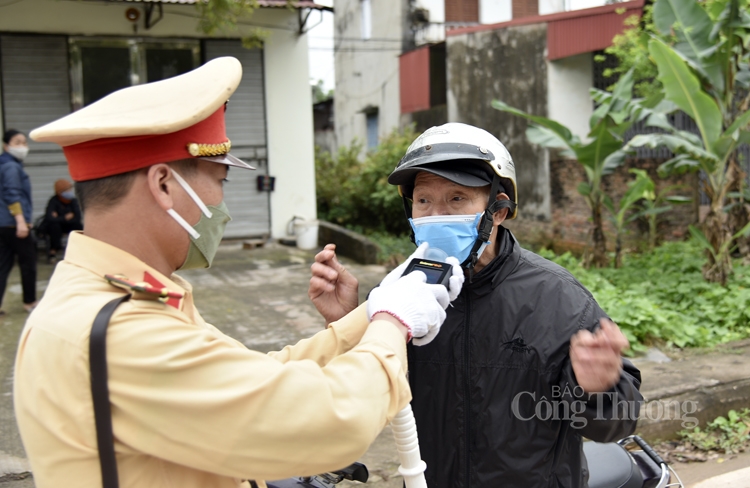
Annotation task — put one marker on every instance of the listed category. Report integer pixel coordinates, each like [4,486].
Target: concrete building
[369,38]
[58,56]
[459,55]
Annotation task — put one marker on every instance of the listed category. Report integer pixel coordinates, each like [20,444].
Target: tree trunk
[652,232]
[618,251]
[600,259]
[716,229]
[738,215]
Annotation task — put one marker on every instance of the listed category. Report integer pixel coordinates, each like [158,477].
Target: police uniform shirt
[192,407]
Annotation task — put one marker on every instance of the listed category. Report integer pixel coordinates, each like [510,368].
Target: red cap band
[116,155]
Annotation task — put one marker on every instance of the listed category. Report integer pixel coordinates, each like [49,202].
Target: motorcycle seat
[610,466]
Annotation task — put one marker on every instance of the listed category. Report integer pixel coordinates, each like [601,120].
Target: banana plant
[655,203]
[703,64]
[624,214]
[601,153]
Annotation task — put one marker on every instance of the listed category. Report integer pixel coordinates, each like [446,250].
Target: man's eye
[225,180]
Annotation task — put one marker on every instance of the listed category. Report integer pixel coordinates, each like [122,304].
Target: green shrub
[729,435]
[661,297]
[355,193]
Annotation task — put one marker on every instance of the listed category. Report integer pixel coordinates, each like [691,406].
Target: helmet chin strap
[486,225]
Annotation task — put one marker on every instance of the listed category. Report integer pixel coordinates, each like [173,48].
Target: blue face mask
[454,234]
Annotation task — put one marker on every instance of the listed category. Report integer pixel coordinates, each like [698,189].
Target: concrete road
[260,297]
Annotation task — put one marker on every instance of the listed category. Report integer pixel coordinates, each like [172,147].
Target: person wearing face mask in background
[15,218]
[63,215]
[188,405]
[523,337]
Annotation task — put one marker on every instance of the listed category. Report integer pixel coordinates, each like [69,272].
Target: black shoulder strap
[100,392]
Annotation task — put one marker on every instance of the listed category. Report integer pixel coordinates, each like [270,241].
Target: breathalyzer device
[433,266]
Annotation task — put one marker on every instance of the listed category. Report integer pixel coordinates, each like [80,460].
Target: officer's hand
[596,358]
[418,306]
[22,230]
[457,278]
[333,290]
[396,273]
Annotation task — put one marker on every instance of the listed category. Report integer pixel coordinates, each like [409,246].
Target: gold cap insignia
[198,150]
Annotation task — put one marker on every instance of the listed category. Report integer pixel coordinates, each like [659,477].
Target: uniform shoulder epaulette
[142,290]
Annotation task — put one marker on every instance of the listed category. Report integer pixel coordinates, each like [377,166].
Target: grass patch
[661,297]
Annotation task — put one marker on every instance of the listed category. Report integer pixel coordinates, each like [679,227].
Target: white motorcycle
[611,465]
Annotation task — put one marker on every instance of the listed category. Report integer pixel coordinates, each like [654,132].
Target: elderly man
[171,401]
[526,362]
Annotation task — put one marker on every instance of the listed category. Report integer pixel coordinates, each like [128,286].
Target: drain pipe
[405,432]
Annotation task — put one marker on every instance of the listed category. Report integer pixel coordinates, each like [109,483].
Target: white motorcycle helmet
[468,156]
[457,152]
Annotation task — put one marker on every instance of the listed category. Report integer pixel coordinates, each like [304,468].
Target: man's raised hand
[597,357]
[333,290]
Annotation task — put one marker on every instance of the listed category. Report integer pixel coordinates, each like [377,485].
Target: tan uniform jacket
[192,407]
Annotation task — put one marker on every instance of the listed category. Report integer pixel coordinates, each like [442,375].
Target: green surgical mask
[206,235]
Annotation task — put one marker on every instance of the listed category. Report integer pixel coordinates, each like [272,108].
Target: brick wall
[525,8]
[570,225]
[462,10]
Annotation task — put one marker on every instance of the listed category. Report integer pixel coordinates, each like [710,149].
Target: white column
[289,118]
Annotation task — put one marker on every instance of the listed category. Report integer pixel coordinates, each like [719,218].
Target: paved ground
[260,298]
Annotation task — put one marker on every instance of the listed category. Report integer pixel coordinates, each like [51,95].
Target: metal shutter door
[35,91]
[246,128]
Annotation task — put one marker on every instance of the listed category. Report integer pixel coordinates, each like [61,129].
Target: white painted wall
[495,11]
[436,8]
[552,6]
[288,97]
[568,83]
[367,72]
[290,129]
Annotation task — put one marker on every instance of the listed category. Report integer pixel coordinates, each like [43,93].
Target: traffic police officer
[190,407]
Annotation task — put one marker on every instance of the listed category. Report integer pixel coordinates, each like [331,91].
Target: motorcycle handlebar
[648,450]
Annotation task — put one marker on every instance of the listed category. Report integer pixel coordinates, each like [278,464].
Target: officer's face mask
[205,236]
[454,234]
[18,152]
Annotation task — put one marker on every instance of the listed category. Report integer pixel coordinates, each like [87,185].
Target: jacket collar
[8,157]
[509,252]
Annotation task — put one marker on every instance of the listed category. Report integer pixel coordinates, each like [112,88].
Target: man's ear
[500,216]
[160,181]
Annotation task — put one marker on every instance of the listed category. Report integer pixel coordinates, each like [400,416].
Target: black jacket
[485,389]
[57,206]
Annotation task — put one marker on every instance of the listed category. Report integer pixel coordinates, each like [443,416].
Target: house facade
[57,56]
[459,55]
[371,36]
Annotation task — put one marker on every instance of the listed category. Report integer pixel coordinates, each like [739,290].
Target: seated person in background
[63,215]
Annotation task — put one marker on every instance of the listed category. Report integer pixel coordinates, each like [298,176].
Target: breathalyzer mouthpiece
[436,254]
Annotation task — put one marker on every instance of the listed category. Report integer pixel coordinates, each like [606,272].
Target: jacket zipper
[467,394]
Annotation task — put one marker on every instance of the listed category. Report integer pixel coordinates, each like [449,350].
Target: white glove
[414,303]
[456,279]
[396,273]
